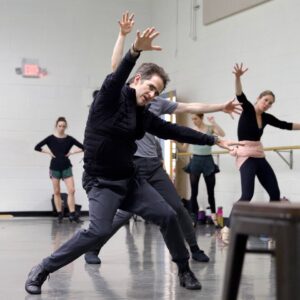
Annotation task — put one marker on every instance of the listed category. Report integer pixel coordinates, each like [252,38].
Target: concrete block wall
[266,39]
[73,39]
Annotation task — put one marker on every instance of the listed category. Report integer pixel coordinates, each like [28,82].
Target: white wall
[73,39]
[266,39]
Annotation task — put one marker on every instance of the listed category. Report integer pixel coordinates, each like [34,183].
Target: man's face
[147,89]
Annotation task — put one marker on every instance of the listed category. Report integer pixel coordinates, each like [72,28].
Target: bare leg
[69,182]
[73,217]
[56,193]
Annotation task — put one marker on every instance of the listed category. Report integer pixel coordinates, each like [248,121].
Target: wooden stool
[278,220]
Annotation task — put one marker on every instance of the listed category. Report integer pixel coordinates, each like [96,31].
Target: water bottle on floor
[201,216]
[208,215]
[220,218]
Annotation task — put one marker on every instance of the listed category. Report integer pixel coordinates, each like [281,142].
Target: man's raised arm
[182,134]
[115,81]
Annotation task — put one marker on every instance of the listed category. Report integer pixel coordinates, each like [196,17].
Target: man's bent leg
[161,182]
[104,199]
[147,202]
[121,218]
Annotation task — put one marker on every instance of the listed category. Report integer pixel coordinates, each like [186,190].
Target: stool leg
[234,265]
[288,263]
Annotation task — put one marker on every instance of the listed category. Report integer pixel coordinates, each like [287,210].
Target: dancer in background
[148,162]
[60,148]
[251,159]
[202,162]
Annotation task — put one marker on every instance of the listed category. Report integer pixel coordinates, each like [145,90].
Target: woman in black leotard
[250,158]
[60,147]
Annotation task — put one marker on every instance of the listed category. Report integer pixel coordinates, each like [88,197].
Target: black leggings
[210,182]
[265,174]
[261,168]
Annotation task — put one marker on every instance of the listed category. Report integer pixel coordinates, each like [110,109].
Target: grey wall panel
[214,10]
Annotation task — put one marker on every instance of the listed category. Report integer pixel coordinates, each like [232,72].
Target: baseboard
[36,213]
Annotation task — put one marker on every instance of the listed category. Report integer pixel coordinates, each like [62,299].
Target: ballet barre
[278,149]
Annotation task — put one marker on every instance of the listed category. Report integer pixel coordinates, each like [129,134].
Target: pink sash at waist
[250,149]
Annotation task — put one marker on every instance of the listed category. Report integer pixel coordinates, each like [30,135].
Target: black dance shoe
[200,256]
[73,217]
[60,218]
[92,258]
[189,281]
[35,279]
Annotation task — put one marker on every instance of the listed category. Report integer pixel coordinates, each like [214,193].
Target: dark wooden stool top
[272,210]
[281,222]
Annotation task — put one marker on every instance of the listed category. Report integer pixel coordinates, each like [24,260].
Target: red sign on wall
[31,70]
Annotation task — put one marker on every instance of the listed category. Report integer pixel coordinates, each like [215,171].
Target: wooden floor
[135,265]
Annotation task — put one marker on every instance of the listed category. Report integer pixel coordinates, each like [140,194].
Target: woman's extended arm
[238,71]
[126,25]
[216,127]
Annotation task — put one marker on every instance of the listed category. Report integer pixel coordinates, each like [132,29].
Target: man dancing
[118,117]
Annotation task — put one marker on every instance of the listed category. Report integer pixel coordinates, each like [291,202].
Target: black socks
[183,266]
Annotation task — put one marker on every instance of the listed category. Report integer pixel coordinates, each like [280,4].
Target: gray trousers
[151,170]
[105,197]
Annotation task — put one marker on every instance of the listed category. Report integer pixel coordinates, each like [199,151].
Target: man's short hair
[95,93]
[147,70]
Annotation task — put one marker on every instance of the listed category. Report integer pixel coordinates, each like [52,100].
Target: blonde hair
[266,93]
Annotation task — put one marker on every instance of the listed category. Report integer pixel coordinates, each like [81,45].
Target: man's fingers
[237,104]
[149,32]
[224,146]
[157,48]
[145,32]
[152,30]
[238,112]
[237,108]
[154,35]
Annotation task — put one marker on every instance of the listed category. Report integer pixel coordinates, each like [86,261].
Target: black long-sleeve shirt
[60,147]
[248,127]
[115,122]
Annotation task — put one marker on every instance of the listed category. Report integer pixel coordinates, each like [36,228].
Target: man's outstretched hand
[227,144]
[143,41]
[232,107]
